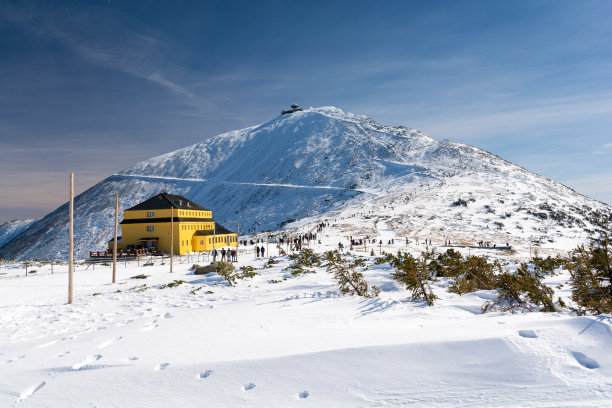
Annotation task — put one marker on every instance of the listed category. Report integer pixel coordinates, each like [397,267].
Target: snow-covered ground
[282,341]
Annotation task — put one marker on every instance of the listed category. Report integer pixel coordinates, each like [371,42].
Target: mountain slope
[11,229]
[323,162]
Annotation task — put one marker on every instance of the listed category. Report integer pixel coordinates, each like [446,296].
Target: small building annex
[147,225]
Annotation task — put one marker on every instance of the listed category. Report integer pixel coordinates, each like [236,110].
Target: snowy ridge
[318,163]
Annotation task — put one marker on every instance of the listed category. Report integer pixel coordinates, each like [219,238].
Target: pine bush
[415,276]
[473,274]
[521,290]
[591,277]
[349,280]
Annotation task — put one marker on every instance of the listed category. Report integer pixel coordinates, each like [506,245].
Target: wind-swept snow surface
[282,341]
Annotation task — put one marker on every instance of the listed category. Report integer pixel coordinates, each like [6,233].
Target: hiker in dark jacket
[263,250]
[257,251]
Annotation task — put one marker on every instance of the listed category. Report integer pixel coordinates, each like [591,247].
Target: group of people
[260,251]
[229,255]
[487,244]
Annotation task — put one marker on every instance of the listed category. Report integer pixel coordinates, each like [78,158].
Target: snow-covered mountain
[324,163]
[10,229]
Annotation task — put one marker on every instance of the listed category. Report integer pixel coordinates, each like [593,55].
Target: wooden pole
[71,241]
[171,237]
[115,244]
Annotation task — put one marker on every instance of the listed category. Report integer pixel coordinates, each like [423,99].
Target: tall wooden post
[171,237]
[115,244]
[71,240]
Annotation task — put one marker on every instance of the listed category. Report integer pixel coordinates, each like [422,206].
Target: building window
[150,228]
[201,242]
[150,213]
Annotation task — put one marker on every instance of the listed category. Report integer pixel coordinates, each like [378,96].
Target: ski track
[143,176]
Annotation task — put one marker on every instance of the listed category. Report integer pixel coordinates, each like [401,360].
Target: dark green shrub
[172,284]
[546,265]
[475,273]
[591,277]
[415,276]
[521,290]
[306,258]
[448,264]
[349,280]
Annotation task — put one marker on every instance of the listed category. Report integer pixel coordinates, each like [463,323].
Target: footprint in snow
[204,374]
[50,343]
[585,361]
[161,366]
[86,363]
[248,387]
[528,334]
[150,326]
[29,392]
[109,342]
[303,394]
[168,316]
[10,360]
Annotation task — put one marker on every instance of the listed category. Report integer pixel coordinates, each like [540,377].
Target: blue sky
[96,86]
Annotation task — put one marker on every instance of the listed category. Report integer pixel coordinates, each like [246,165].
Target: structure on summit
[294,108]
[147,225]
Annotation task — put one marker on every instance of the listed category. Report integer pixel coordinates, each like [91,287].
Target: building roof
[219,230]
[163,201]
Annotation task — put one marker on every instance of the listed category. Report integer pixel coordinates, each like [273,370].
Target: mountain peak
[320,160]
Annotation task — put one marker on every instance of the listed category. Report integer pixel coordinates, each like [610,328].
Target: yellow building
[147,225]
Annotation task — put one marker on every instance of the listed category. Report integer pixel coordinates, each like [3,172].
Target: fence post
[71,240]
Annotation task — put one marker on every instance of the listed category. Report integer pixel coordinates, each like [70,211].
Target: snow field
[281,341]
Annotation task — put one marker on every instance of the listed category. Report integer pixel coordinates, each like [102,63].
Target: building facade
[148,225]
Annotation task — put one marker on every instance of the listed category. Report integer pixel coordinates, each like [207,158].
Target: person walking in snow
[263,250]
[257,248]
[223,253]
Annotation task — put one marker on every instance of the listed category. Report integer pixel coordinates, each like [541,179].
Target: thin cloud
[473,123]
[109,39]
[595,185]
